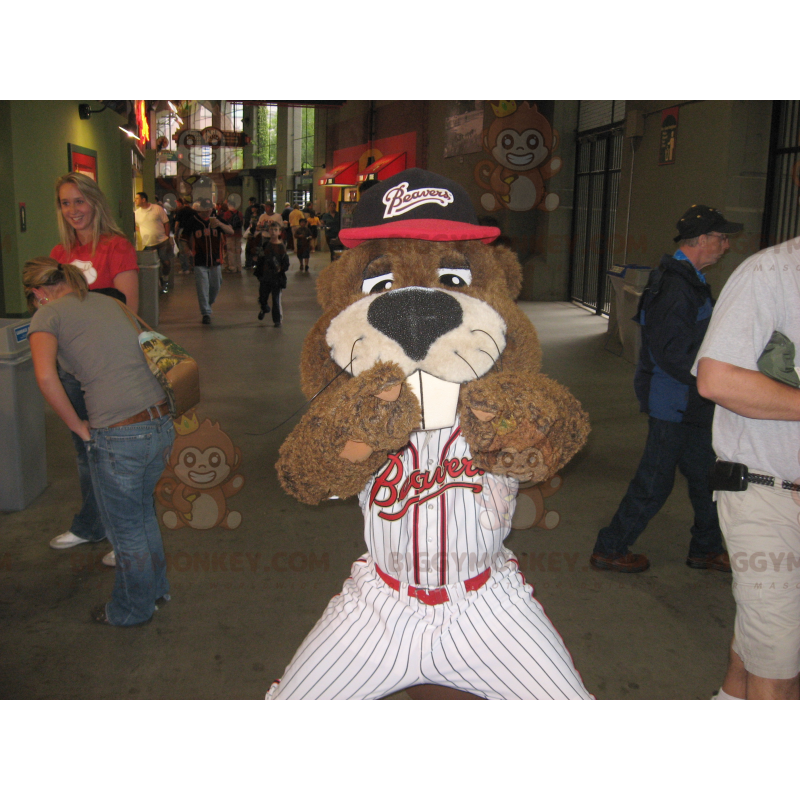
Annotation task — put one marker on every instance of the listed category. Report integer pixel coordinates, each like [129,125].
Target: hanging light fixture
[85,111]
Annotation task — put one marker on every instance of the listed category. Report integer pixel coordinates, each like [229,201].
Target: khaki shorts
[762,534]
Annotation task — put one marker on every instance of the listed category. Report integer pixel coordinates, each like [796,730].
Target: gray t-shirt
[762,296]
[97,343]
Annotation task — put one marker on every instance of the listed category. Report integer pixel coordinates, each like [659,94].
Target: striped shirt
[431,517]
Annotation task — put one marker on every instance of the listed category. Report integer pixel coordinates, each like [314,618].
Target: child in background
[302,244]
[271,273]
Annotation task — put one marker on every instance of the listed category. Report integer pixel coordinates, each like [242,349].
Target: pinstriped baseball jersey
[431,517]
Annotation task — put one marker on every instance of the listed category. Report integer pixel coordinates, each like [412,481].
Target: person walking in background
[252,208]
[287,229]
[302,244]
[674,313]
[183,218]
[152,224]
[313,228]
[94,243]
[233,242]
[273,264]
[266,219]
[295,216]
[205,235]
[127,432]
[330,223]
[252,237]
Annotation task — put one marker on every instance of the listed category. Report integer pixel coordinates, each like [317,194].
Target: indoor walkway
[243,599]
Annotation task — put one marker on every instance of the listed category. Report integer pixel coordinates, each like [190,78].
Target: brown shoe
[630,562]
[718,561]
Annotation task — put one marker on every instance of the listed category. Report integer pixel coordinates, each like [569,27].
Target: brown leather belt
[154,412]
[435,596]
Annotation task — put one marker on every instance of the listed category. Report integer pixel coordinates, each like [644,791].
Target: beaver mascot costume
[427,401]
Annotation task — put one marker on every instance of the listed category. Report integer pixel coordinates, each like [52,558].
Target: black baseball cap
[702,219]
[416,204]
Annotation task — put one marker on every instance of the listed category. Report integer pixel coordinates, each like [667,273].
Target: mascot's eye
[381,283]
[533,141]
[507,141]
[455,277]
[215,460]
[189,459]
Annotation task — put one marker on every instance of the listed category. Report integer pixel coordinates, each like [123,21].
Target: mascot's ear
[511,269]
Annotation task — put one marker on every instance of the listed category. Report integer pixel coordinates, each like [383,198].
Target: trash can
[23,459]
[628,282]
[149,285]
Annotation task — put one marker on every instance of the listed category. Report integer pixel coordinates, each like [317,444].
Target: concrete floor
[244,599]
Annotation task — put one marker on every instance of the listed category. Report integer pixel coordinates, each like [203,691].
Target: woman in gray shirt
[129,430]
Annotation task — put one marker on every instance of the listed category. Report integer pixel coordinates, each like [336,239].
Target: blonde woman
[92,242]
[127,432]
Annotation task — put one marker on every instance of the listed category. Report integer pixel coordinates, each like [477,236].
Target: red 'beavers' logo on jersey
[434,482]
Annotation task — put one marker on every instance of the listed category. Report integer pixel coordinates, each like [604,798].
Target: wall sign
[669,136]
[82,160]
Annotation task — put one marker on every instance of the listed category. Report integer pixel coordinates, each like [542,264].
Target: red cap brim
[432,230]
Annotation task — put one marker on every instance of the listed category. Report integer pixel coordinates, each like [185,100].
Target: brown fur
[536,425]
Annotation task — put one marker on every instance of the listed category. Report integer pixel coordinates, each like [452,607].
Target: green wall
[33,155]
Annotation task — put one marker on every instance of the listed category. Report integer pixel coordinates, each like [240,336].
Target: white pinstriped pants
[495,642]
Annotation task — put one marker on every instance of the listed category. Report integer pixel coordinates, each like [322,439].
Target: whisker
[310,401]
[352,357]
[466,362]
[494,360]
[499,362]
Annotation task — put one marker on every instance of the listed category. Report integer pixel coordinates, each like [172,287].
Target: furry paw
[524,425]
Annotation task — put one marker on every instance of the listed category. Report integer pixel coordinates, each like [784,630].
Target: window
[167,125]
[595,114]
[307,139]
[232,116]
[598,161]
[166,167]
[202,117]
[266,136]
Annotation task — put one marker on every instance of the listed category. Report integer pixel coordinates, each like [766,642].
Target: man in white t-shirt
[152,224]
[756,436]
[269,216]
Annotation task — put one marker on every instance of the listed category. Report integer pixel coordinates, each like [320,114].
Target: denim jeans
[126,463]
[166,254]
[669,445]
[86,523]
[207,280]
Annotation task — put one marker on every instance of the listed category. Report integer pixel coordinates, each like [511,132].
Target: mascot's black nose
[415,318]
